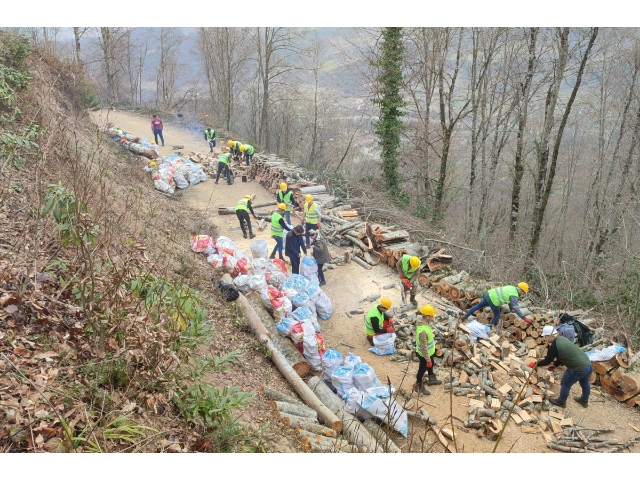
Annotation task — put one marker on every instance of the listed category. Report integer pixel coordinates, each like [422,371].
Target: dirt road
[347,286]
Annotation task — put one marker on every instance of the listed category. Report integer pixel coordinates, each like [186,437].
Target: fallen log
[232,211]
[294,421]
[313,189]
[378,432]
[273,394]
[287,371]
[621,386]
[351,426]
[294,409]
[357,242]
[361,262]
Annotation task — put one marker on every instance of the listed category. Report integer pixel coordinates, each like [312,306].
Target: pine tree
[389,125]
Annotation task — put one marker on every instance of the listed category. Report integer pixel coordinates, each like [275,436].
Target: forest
[521,143]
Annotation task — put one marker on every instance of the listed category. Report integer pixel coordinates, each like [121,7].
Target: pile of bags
[357,384]
[175,171]
[295,301]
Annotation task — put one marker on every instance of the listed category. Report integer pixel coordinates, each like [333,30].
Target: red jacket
[156,124]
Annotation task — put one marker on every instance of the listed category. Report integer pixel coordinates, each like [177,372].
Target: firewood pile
[129,141]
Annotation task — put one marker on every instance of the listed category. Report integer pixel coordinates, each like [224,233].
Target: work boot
[584,403]
[418,387]
[554,401]
[413,300]
[433,380]
[273,255]
[251,235]
[244,234]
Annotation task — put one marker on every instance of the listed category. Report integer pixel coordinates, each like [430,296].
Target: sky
[325,13]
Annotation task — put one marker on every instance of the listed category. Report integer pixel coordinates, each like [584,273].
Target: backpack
[583,333]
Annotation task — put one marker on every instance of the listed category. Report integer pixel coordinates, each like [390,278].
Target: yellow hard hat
[428,310]
[282,206]
[242,148]
[152,164]
[308,198]
[414,262]
[283,186]
[524,287]
[385,302]
[248,196]
[230,142]
[152,142]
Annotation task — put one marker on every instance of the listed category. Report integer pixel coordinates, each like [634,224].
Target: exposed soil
[347,287]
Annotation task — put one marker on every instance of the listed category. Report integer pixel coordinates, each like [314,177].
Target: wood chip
[567,422]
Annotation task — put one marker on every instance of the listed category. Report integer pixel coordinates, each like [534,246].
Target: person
[407,266]
[377,321]
[248,153]
[500,296]
[278,226]
[210,136]
[567,331]
[312,216]
[320,253]
[243,207]
[156,128]
[223,163]
[234,147]
[293,244]
[425,348]
[285,195]
[563,351]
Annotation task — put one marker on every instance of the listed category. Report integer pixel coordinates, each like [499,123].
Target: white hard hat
[549,330]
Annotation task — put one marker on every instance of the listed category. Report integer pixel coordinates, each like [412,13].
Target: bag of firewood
[331,360]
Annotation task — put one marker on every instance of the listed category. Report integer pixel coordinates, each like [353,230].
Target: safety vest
[235,145]
[500,296]
[311,214]
[211,134]
[276,228]
[242,204]
[224,159]
[248,150]
[406,266]
[373,313]
[431,342]
[285,198]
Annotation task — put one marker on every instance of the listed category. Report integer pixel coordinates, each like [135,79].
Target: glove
[319,226]
[390,321]
[390,330]
[429,364]
[532,364]
[552,367]
[528,320]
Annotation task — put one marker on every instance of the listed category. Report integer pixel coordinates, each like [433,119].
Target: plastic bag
[297,332]
[259,249]
[278,262]
[164,186]
[303,313]
[352,360]
[243,266]
[477,330]
[342,379]
[387,410]
[331,360]
[324,307]
[273,292]
[352,400]
[225,245]
[145,143]
[242,283]
[309,269]
[201,243]
[216,260]
[303,300]
[281,307]
[606,353]
[290,293]
[181,182]
[229,291]
[384,344]
[259,266]
[284,326]
[297,282]
[257,283]
[365,377]
[310,347]
[275,278]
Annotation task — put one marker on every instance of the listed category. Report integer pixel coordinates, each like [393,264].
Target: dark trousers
[321,273]
[155,136]
[247,159]
[295,264]
[486,302]
[278,248]
[572,376]
[244,215]
[222,165]
[307,227]
[422,368]
[212,144]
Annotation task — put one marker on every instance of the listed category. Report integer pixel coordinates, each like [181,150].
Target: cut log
[383,439]
[620,385]
[274,394]
[313,189]
[360,262]
[294,409]
[602,368]
[351,426]
[391,237]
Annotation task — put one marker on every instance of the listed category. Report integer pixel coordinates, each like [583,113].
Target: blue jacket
[293,244]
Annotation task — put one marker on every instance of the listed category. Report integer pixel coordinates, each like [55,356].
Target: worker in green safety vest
[278,226]
[501,296]
[243,207]
[425,348]
[377,321]
[223,163]
[234,146]
[248,153]
[407,266]
[312,216]
[210,136]
[285,195]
